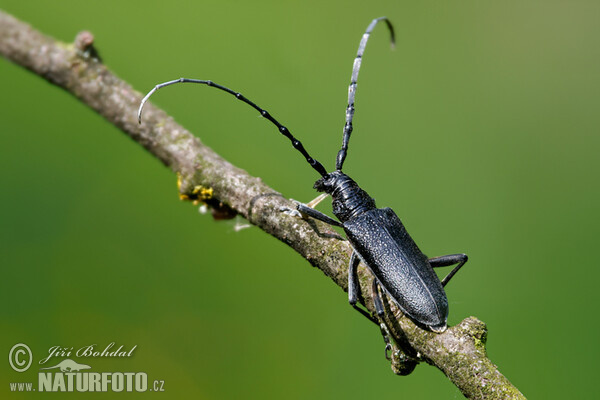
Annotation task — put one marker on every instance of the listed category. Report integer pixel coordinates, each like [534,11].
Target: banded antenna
[341,156]
[282,129]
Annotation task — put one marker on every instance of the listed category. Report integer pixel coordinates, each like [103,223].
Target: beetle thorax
[349,200]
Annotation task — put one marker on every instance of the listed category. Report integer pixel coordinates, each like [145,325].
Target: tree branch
[459,352]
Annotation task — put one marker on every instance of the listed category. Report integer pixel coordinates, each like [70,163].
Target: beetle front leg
[311,212]
[446,261]
[308,209]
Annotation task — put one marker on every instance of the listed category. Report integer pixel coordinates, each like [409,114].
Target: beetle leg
[446,261]
[352,279]
[401,363]
[353,287]
[379,308]
[312,204]
[388,342]
[377,299]
[311,212]
[308,209]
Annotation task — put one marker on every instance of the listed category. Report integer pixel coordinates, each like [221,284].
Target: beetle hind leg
[446,261]
[377,299]
[401,362]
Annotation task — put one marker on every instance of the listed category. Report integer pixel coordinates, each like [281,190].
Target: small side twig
[459,352]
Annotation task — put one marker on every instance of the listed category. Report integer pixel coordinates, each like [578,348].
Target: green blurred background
[480,130]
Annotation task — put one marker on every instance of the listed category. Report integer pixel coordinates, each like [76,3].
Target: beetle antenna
[352,88]
[282,129]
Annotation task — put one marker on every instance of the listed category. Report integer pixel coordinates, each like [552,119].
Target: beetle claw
[388,347]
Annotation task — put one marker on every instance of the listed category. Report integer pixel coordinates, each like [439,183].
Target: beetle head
[349,200]
[332,181]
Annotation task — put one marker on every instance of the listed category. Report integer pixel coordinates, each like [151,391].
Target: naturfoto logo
[69,366]
[70,379]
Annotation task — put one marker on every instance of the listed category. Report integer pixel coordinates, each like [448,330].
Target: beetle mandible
[377,236]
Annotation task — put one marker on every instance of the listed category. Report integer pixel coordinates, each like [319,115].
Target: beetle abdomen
[381,240]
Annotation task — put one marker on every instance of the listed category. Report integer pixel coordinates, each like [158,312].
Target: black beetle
[377,236]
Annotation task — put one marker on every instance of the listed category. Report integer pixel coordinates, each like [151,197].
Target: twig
[459,352]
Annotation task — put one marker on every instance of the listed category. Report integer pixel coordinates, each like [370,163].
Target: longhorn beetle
[377,236]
